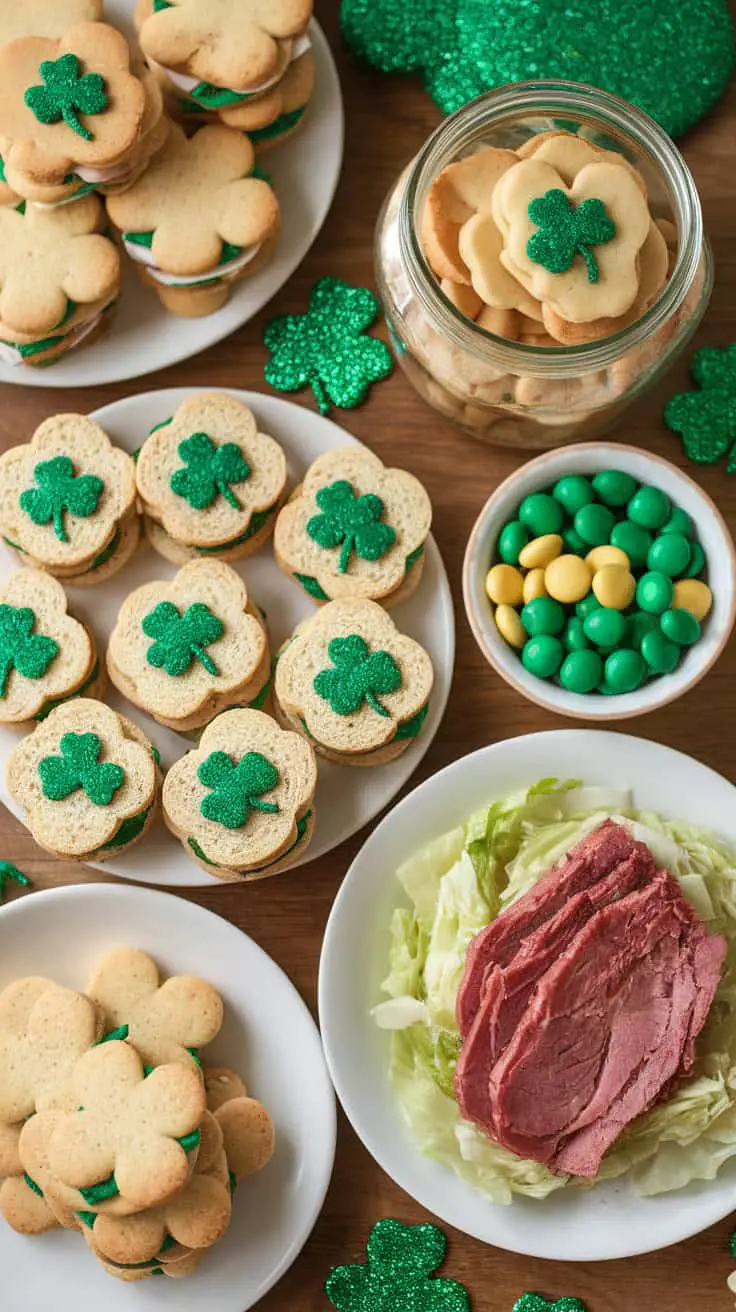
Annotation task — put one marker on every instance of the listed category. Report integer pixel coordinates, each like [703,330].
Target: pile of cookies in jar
[108,151]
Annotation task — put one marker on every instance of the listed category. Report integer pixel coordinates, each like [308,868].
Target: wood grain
[387,120]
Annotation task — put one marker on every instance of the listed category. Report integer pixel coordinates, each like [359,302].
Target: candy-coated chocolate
[581,671]
[614,487]
[541,513]
[573,492]
[697,561]
[681,626]
[505,585]
[597,557]
[538,553]
[568,579]
[670,554]
[624,670]
[638,624]
[679,522]
[574,639]
[604,627]
[512,538]
[633,539]
[659,652]
[543,656]
[654,592]
[692,595]
[614,586]
[543,615]
[510,626]
[649,507]
[594,524]
[584,607]
[534,584]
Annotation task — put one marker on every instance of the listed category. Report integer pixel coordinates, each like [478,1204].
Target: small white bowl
[713,535]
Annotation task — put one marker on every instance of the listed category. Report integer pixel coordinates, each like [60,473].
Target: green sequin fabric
[237,790]
[66,93]
[60,492]
[351,522]
[79,766]
[20,648]
[358,677]
[399,1274]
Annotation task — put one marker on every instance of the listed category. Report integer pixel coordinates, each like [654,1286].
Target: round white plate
[347,798]
[610,1220]
[143,336]
[62,933]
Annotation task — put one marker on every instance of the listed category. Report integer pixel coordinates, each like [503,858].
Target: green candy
[574,543]
[513,538]
[543,656]
[581,671]
[588,604]
[594,524]
[605,628]
[654,592]
[614,488]
[541,514]
[680,626]
[659,652]
[573,493]
[697,561]
[574,638]
[543,615]
[624,670]
[649,507]
[633,539]
[669,554]
[679,522]
[638,625]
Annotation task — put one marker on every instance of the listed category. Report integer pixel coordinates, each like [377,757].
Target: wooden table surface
[387,120]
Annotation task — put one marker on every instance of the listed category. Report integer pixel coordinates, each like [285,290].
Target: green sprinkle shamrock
[237,789]
[209,470]
[350,521]
[535,1303]
[359,675]
[565,232]
[398,1275]
[66,94]
[79,767]
[181,639]
[706,420]
[324,349]
[10,872]
[59,491]
[20,648]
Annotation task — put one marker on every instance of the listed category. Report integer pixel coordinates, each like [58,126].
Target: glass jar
[534,396]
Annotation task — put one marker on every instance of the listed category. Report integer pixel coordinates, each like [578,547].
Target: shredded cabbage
[463,880]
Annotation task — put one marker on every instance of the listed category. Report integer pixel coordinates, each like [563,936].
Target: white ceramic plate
[610,1220]
[347,798]
[143,336]
[61,933]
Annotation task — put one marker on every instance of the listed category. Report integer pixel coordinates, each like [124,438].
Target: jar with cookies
[542,262]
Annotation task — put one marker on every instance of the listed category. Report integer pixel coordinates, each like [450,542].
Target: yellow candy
[540,551]
[614,586]
[505,585]
[600,556]
[510,626]
[534,585]
[692,595]
[568,578]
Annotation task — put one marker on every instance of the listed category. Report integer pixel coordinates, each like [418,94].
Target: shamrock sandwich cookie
[208,482]
[274,116]
[186,650]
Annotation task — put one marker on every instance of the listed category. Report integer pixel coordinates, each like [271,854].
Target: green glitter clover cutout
[359,675]
[79,767]
[706,419]
[237,789]
[66,94]
[210,470]
[536,1303]
[181,639]
[351,522]
[398,1276]
[565,231]
[60,490]
[11,874]
[326,348]
[20,648]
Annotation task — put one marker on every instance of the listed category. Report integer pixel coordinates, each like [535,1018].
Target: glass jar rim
[544,97]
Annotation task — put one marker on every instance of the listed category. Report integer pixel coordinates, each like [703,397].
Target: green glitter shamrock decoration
[59,491]
[535,1303]
[20,648]
[79,767]
[209,471]
[237,789]
[324,349]
[9,872]
[359,675]
[350,521]
[732,1244]
[66,93]
[181,639]
[564,232]
[706,420]
[398,1275]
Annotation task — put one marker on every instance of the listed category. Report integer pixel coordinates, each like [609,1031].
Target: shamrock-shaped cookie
[399,1273]
[210,480]
[357,686]
[44,1029]
[67,102]
[165,1020]
[46,17]
[706,419]
[354,528]
[187,649]
[86,780]
[242,802]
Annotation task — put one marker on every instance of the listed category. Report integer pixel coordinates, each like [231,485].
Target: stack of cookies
[111,1126]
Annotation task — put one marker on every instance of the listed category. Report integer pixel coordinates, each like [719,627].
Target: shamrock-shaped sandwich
[274,115]
[399,1273]
[87,780]
[354,528]
[46,656]
[357,687]
[188,649]
[209,482]
[242,803]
